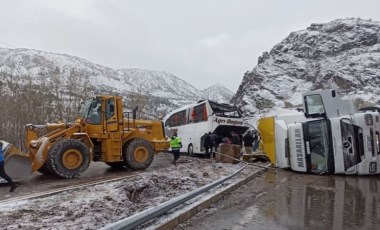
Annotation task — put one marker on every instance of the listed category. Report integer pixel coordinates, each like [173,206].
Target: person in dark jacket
[3,174]
[256,142]
[207,144]
[248,142]
[214,143]
[235,138]
[176,145]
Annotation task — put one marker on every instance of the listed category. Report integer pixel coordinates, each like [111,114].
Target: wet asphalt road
[287,200]
[98,171]
[274,200]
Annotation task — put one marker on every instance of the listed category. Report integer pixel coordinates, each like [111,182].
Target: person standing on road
[256,140]
[248,143]
[214,144]
[176,145]
[3,174]
[235,138]
[207,144]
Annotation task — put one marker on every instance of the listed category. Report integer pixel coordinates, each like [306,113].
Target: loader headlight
[34,144]
[368,119]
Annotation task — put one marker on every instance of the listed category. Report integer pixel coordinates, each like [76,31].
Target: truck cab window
[314,105]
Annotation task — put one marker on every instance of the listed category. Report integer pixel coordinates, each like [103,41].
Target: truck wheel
[190,150]
[69,158]
[138,154]
[116,165]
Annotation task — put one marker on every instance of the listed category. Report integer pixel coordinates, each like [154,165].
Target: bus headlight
[368,119]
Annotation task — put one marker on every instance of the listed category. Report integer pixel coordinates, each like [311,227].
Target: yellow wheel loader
[102,132]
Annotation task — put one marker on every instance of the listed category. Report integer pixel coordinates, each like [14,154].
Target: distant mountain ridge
[343,54]
[157,92]
[218,93]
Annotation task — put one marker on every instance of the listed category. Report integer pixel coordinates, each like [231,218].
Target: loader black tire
[116,165]
[69,158]
[138,154]
[45,169]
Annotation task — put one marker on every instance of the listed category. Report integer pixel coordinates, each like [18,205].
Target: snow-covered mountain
[68,76]
[218,93]
[343,54]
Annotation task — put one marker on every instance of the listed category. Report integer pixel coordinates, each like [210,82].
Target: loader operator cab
[90,110]
[103,114]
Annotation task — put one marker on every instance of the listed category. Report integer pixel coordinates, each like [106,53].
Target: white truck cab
[332,137]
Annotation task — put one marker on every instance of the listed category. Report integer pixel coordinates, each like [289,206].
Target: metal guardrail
[142,217]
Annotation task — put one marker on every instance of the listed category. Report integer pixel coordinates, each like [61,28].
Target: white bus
[193,121]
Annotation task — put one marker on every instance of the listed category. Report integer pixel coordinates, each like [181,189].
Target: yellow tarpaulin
[266,130]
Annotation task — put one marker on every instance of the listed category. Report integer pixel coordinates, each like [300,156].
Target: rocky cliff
[343,54]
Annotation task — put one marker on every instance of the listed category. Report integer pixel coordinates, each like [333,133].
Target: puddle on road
[324,202]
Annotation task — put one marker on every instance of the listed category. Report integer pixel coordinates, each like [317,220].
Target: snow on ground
[93,207]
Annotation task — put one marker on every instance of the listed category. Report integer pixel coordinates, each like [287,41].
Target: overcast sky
[200,41]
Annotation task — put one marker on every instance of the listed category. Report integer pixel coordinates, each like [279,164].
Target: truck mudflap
[17,164]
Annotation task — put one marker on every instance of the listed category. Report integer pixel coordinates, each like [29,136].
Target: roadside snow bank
[93,207]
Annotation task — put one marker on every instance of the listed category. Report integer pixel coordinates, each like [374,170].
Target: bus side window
[177,119]
[200,113]
[182,118]
[190,116]
[204,112]
[171,121]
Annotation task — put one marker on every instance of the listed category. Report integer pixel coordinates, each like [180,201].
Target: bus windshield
[224,110]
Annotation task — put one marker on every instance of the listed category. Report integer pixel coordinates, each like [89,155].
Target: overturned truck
[330,136]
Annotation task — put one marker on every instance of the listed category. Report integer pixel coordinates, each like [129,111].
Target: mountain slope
[65,76]
[342,54]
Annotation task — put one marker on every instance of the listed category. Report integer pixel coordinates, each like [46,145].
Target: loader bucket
[17,164]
